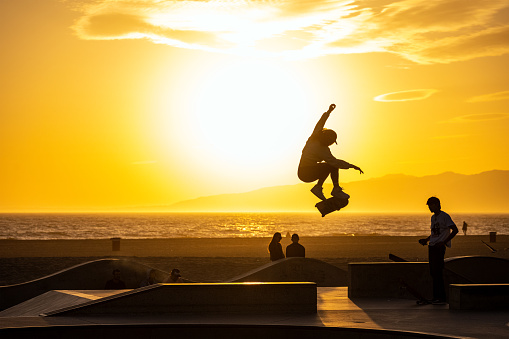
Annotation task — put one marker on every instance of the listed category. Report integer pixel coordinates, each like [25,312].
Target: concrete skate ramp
[296,269]
[479,269]
[54,300]
[87,276]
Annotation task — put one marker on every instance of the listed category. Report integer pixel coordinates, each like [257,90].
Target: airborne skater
[317,161]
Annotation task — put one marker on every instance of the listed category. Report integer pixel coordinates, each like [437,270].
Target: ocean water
[224,225]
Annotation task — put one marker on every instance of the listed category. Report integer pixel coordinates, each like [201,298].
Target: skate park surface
[60,312]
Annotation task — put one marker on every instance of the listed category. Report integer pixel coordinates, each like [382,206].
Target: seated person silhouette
[295,249]
[175,277]
[317,161]
[115,283]
[275,248]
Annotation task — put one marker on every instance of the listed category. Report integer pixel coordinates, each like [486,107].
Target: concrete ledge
[479,297]
[204,298]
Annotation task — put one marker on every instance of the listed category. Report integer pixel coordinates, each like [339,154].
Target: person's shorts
[312,173]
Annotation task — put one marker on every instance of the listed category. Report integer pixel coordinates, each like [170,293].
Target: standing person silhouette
[275,248]
[443,229]
[317,161]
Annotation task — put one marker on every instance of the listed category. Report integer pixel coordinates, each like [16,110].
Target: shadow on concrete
[208,331]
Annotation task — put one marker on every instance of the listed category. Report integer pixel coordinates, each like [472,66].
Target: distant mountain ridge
[486,192]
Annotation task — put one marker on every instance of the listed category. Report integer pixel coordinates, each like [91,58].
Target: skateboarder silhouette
[317,161]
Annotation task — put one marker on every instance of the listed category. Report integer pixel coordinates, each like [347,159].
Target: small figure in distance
[317,161]
[295,249]
[465,226]
[443,229]
[175,277]
[115,283]
[151,278]
[275,248]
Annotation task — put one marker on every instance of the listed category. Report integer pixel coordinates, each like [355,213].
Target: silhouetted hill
[484,192]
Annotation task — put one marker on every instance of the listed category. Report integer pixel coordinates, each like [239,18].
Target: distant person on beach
[151,278]
[443,229]
[175,277]
[295,249]
[317,161]
[115,283]
[465,226]
[275,248]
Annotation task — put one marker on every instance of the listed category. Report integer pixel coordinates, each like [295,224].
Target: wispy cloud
[410,95]
[423,31]
[490,97]
[478,117]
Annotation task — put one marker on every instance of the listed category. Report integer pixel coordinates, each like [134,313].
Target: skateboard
[420,299]
[491,248]
[330,205]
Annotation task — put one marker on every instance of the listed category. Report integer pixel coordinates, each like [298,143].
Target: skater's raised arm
[321,123]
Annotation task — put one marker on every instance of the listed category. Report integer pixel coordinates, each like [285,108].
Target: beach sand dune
[213,259]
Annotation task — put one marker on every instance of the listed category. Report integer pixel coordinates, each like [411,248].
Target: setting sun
[248,113]
[135,103]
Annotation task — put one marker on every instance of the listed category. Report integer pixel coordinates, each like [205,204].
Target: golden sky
[107,103]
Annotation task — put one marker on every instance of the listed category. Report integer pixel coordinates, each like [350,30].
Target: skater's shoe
[318,191]
[337,192]
[438,302]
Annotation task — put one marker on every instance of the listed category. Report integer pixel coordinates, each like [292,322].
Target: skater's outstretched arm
[357,168]
[321,123]
[327,156]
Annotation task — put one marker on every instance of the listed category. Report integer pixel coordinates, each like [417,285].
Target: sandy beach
[212,259]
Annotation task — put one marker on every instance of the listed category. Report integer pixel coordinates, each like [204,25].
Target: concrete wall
[209,298]
[383,279]
[488,297]
[479,269]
